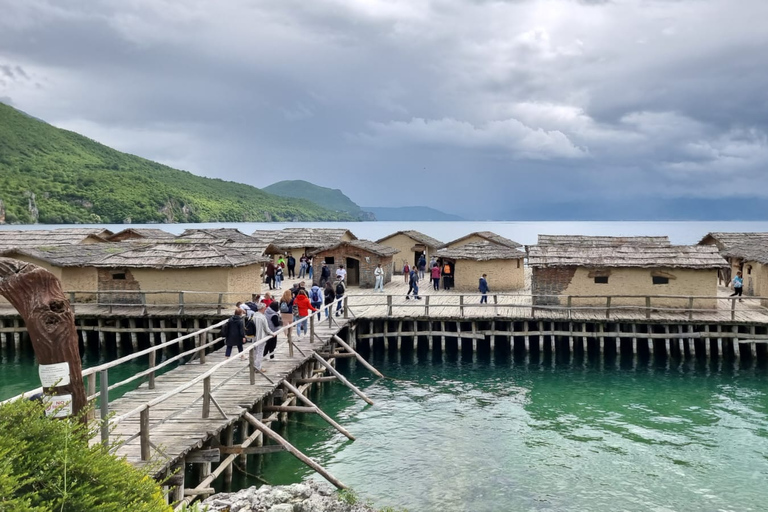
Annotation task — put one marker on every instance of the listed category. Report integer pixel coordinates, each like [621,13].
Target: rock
[282,507]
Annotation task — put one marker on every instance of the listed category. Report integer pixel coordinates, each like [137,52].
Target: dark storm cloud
[500,103]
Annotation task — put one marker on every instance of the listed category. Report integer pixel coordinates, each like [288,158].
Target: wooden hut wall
[246,280]
[756,280]
[503,275]
[405,244]
[80,279]
[566,281]
[366,268]
[236,280]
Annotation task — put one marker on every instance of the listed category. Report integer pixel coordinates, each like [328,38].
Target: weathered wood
[296,453]
[317,409]
[289,408]
[252,450]
[37,296]
[360,358]
[203,456]
[342,379]
[144,433]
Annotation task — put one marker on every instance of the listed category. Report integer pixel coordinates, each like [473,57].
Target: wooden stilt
[16,336]
[342,378]
[736,347]
[228,440]
[298,394]
[134,334]
[358,356]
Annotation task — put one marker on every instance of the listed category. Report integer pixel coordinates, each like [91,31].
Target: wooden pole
[358,356]
[296,453]
[341,378]
[37,296]
[300,396]
[144,433]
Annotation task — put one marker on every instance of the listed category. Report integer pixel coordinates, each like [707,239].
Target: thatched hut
[52,237]
[503,264]
[559,271]
[727,241]
[298,241]
[481,236]
[135,267]
[142,234]
[411,245]
[601,241]
[359,257]
[752,258]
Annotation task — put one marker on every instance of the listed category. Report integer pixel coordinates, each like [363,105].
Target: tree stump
[37,296]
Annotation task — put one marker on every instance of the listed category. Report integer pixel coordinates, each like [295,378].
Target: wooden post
[608,307]
[229,439]
[426,305]
[346,307]
[218,306]
[358,356]
[37,295]
[389,305]
[134,336]
[104,402]
[207,397]
[690,308]
[733,308]
[461,305]
[144,433]
[152,360]
[252,365]
[91,391]
[647,307]
[569,303]
[298,394]
[181,303]
[143,297]
[341,378]
[311,327]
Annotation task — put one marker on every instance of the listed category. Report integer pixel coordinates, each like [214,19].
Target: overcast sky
[477,107]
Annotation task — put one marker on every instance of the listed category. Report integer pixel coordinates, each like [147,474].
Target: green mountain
[53,176]
[330,198]
[406,213]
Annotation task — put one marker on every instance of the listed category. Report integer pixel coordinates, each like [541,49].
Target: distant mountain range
[406,213]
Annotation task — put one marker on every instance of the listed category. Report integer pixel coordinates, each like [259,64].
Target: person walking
[447,276]
[262,331]
[270,274]
[341,274]
[310,271]
[406,272]
[330,296]
[413,285]
[303,307]
[286,310]
[234,333]
[291,266]
[738,285]
[279,277]
[484,289]
[316,297]
[325,275]
[302,266]
[340,289]
[378,273]
[422,265]
[435,272]
[275,322]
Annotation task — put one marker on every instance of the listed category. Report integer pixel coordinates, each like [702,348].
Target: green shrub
[48,465]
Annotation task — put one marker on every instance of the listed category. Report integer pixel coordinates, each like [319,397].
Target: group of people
[437,271]
[275,271]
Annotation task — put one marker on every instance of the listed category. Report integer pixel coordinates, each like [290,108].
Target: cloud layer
[465,106]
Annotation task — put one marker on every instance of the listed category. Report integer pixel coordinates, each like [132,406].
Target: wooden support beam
[358,356]
[296,453]
[290,387]
[252,450]
[204,456]
[289,408]
[342,378]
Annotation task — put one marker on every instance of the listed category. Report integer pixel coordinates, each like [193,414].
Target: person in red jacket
[304,306]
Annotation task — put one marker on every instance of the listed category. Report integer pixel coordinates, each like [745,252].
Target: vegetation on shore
[54,176]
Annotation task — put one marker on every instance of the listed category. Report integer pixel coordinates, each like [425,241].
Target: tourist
[262,333]
[281,261]
[270,274]
[286,310]
[316,297]
[234,333]
[422,265]
[275,322]
[484,289]
[330,296]
[447,277]
[245,307]
[738,285]
[302,266]
[325,275]
[310,271]
[340,289]
[378,273]
[267,300]
[413,285]
[406,271]
[341,273]
[291,266]
[279,277]
[435,272]
[302,306]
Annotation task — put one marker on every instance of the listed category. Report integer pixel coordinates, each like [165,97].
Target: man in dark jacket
[413,285]
[325,275]
[291,266]
[270,274]
[484,289]
[235,333]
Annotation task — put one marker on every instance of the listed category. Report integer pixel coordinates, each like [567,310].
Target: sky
[487,109]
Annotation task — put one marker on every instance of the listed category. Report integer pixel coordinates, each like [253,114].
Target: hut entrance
[418,250]
[353,272]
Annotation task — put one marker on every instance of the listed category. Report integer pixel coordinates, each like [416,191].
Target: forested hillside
[53,176]
[330,198]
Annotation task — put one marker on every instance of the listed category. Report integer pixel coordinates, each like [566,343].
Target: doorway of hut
[353,272]
[447,272]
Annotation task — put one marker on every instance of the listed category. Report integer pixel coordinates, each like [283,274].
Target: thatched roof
[480,251]
[418,236]
[215,234]
[300,238]
[753,250]
[601,241]
[727,240]
[141,255]
[636,256]
[487,235]
[363,245]
[266,236]
[140,233]
[52,237]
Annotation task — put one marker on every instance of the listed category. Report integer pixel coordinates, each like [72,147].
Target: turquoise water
[496,435]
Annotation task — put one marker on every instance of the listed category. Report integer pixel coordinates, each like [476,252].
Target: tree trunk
[37,296]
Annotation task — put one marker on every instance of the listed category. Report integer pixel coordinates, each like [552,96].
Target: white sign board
[54,374]
[58,406]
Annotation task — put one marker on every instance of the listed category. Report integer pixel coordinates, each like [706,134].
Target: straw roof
[140,233]
[52,237]
[489,236]
[266,236]
[637,256]
[141,255]
[418,236]
[363,245]
[480,251]
[299,238]
[601,241]
[727,240]
[753,250]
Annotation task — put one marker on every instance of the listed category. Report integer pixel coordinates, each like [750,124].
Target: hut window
[518,263]
[329,260]
[119,276]
[601,279]
[749,269]
[660,280]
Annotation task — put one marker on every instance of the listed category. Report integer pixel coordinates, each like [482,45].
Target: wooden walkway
[177,426]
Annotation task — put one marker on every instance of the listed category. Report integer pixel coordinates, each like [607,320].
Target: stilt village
[161,300]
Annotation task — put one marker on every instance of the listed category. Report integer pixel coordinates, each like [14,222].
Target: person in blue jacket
[484,289]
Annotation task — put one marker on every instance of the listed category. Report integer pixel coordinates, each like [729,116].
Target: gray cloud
[499,103]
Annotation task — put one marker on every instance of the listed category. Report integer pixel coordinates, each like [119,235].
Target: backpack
[252,305]
[277,321]
[314,294]
[284,307]
[224,332]
[447,269]
[250,327]
[340,289]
